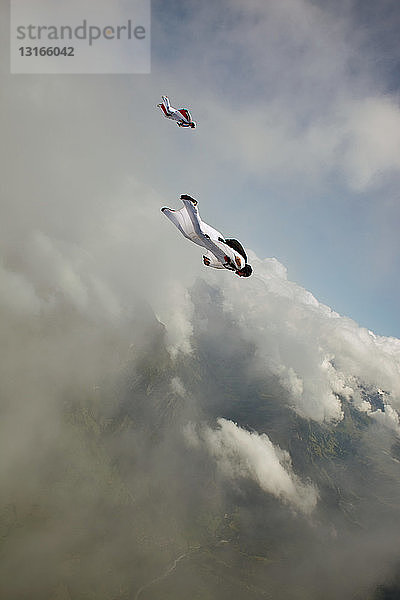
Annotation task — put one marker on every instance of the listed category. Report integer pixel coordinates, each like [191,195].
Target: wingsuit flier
[221,253]
[181,115]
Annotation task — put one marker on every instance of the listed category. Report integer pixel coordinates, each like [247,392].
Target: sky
[300,100]
[297,148]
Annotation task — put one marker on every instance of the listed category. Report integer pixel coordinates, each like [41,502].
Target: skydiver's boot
[192,200]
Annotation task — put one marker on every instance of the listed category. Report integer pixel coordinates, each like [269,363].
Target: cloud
[384,414]
[240,453]
[371,141]
[178,318]
[318,355]
[17,295]
[177,387]
[387,417]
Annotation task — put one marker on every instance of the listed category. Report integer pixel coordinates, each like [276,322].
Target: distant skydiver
[181,115]
[221,253]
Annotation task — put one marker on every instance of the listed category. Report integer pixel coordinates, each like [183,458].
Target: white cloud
[177,387]
[372,140]
[388,418]
[240,453]
[357,138]
[177,316]
[318,355]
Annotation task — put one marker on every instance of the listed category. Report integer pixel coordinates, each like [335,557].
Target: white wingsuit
[219,255]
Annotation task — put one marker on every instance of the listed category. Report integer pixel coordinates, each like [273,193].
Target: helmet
[245,272]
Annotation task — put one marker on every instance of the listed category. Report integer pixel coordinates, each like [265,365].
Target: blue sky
[298,146]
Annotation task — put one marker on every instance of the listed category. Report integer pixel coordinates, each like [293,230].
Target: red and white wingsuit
[219,255]
[181,115]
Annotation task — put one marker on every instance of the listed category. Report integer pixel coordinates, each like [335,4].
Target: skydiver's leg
[193,213]
[164,109]
[201,228]
[167,105]
[186,197]
[181,220]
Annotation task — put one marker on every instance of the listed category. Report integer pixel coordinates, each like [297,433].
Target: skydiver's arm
[210,261]
[167,104]
[228,264]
